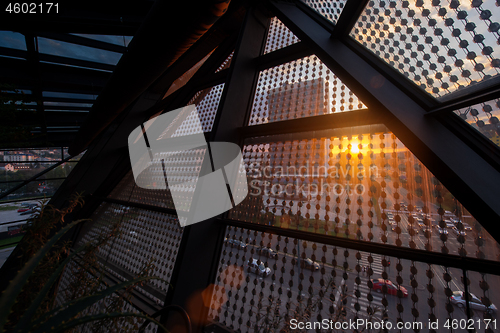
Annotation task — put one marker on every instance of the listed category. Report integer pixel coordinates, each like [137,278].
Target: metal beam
[290,53]
[67,108]
[448,157]
[67,100]
[5,51]
[202,242]
[75,62]
[147,59]
[434,258]
[18,71]
[348,18]
[34,68]
[465,101]
[315,123]
[53,117]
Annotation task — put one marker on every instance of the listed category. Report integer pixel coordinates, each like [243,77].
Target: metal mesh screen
[269,283]
[442,46]
[484,118]
[144,238]
[330,9]
[279,36]
[298,89]
[357,183]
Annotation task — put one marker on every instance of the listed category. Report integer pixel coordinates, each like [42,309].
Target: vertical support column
[198,258]
[32,47]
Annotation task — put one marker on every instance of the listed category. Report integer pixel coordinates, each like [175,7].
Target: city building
[297,100]
[373,191]
[18,157]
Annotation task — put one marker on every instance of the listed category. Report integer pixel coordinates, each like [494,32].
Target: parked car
[309,264]
[442,230]
[267,252]
[392,289]
[257,267]
[421,224]
[236,243]
[467,227]
[475,303]
[31,211]
[458,232]
[27,207]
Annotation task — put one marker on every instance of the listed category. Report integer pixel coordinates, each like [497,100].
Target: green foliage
[29,303]
[8,207]
[9,241]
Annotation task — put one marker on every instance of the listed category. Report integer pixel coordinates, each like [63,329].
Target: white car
[253,266]
[457,232]
[442,230]
[467,227]
[475,303]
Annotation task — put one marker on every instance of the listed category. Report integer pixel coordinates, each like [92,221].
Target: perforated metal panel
[356,183]
[298,89]
[144,238]
[340,285]
[65,293]
[207,102]
[279,36]
[484,118]
[330,9]
[226,64]
[442,46]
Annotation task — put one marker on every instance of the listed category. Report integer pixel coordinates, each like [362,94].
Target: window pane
[298,89]
[279,36]
[329,9]
[442,46]
[484,118]
[357,183]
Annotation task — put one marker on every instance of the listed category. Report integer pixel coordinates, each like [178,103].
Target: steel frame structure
[426,127]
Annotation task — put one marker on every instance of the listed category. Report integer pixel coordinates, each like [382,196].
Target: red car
[392,289]
[25,209]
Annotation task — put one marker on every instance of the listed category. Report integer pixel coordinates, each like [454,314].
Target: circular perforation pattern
[443,46]
[144,237]
[279,36]
[365,186]
[226,63]
[329,9]
[298,89]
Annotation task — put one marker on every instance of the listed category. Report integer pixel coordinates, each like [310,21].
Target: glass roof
[13,40]
[50,46]
[442,46]
[300,88]
[118,40]
[484,118]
